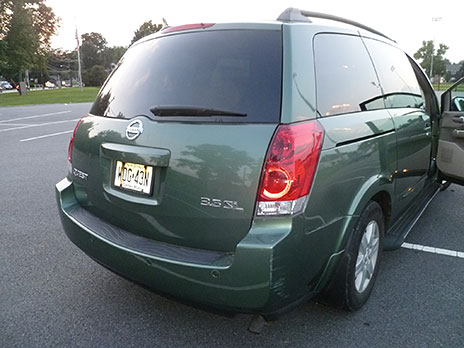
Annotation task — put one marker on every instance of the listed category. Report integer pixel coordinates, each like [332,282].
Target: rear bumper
[261,276]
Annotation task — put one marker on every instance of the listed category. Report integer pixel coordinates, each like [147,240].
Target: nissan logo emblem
[134,129]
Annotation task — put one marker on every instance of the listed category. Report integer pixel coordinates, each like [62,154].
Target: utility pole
[79,60]
[434,19]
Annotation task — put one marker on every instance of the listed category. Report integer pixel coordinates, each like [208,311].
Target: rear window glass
[233,70]
[345,77]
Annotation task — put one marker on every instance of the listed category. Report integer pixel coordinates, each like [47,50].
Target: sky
[406,21]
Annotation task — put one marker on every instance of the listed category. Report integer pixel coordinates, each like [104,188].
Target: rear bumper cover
[261,276]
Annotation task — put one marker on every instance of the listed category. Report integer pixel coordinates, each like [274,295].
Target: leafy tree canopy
[26,28]
[22,41]
[112,55]
[93,45]
[425,55]
[146,29]
[95,76]
[460,73]
[44,20]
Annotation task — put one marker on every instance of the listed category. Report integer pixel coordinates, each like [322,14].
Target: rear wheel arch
[384,200]
[377,194]
[377,188]
[342,291]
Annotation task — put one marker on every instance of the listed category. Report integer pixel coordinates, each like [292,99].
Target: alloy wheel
[367,256]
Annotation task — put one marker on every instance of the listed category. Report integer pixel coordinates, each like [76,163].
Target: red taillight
[188,27]
[277,183]
[289,169]
[71,142]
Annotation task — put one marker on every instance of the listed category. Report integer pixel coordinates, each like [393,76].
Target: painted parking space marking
[47,135]
[38,125]
[433,250]
[36,116]
[14,124]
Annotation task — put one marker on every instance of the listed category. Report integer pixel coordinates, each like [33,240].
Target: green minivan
[250,166]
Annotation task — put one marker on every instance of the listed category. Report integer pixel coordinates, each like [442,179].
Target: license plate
[133,177]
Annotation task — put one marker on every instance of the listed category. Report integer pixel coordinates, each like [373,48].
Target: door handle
[458,133]
[459,119]
[427,127]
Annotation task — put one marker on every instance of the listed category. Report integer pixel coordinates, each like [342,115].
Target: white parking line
[433,250]
[36,116]
[47,135]
[14,124]
[38,125]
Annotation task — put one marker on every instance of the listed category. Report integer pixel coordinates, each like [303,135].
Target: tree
[45,24]
[112,55]
[5,17]
[29,20]
[22,41]
[3,59]
[60,66]
[4,20]
[460,72]
[97,58]
[95,76]
[439,62]
[93,45]
[145,29]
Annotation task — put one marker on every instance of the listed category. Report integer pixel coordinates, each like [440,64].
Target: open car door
[450,157]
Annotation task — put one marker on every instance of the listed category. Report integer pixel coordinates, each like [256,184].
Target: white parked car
[5,85]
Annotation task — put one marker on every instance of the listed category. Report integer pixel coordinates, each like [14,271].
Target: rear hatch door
[175,142]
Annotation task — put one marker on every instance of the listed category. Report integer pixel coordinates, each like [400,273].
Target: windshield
[237,70]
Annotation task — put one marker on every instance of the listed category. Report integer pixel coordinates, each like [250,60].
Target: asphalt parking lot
[52,295]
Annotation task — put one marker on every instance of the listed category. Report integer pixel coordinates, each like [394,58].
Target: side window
[345,78]
[457,98]
[399,83]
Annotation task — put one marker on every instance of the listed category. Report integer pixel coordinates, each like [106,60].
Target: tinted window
[396,75]
[457,98]
[345,78]
[228,70]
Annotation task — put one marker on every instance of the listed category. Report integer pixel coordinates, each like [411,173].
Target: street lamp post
[434,19]
[79,60]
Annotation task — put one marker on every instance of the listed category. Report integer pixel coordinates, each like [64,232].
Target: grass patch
[445,86]
[50,96]
[441,86]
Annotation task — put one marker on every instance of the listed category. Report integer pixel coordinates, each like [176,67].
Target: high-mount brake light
[71,142]
[289,168]
[188,27]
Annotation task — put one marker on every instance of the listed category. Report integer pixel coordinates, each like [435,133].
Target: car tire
[354,280]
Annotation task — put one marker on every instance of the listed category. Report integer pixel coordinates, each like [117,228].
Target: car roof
[290,17]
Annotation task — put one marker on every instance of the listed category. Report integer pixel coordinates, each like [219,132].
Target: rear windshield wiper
[174,110]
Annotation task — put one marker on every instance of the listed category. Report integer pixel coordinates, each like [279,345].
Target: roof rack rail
[295,15]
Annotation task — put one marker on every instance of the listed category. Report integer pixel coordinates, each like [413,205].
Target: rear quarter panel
[298,80]
[357,161]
